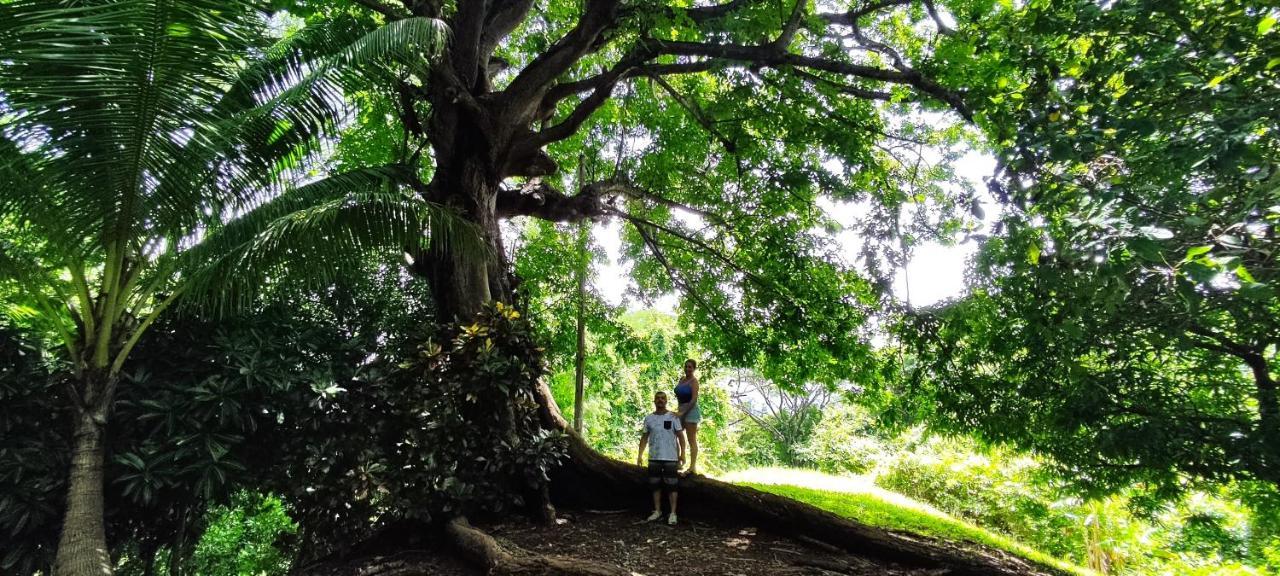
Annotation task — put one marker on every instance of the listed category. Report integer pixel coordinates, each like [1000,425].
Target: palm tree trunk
[82,548]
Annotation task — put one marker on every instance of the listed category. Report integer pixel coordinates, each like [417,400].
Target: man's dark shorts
[664,472]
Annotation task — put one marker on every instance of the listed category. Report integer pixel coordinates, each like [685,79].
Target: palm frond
[148,117]
[314,233]
[103,85]
[280,108]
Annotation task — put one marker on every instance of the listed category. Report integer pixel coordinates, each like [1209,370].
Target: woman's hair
[692,361]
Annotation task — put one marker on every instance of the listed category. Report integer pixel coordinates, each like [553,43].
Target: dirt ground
[691,548]
[625,539]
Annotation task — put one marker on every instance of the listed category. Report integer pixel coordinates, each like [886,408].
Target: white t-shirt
[663,442]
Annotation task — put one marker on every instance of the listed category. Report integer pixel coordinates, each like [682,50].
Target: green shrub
[842,442]
[245,538]
[992,489]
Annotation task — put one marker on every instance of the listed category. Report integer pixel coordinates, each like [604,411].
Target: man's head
[660,401]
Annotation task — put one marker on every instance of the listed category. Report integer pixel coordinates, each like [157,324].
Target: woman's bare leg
[691,430]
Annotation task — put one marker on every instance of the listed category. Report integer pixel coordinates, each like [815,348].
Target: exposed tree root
[592,480]
[483,550]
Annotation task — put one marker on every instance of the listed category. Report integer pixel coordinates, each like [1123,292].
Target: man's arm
[680,437]
[644,443]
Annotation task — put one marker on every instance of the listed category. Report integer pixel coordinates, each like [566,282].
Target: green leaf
[1196,251]
[1146,249]
[1033,254]
[1266,24]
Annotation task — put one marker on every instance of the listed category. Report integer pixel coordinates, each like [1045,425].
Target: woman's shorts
[693,416]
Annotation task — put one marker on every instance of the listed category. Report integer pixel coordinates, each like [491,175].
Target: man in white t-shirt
[663,434]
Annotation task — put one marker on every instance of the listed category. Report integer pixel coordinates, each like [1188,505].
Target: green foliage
[131,135]
[647,356]
[875,510]
[844,441]
[1123,319]
[1020,497]
[476,443]
[243,538]
[33,454]
[734,166]
[995,490]
[211,408]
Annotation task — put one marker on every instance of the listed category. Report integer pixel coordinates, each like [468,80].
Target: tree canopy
[1124,317]
[430,169]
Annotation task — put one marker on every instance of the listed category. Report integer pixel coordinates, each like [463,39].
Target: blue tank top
[684,392]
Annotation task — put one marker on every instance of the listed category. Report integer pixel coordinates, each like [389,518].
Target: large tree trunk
[460,282]
[82,548]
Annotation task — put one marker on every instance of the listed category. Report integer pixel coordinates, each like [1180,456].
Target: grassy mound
[858,498]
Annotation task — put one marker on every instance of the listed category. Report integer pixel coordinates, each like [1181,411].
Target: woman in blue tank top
[687,398]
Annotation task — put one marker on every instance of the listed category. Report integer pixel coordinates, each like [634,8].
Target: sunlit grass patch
[858,498]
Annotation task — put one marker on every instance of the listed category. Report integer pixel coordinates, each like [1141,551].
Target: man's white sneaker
[671,520]
[656,515]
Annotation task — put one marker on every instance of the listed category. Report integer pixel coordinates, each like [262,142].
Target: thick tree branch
[503,18]
[564,90]
[1224,344]
[844,88]
[424,8]
[767,56]
[524,91]
[704,14]
[851,17]
[495,558]
[1253,357]
[943,29]
[699,15]
[457,92]
[880,47]
[464,51]
[540,200]
[791,26]
[567,127]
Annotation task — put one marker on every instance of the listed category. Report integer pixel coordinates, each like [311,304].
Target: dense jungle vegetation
[284,280]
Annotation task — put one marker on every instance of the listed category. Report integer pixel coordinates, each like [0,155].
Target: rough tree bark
[82,545]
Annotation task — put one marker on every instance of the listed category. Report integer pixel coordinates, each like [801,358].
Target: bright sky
[935,272]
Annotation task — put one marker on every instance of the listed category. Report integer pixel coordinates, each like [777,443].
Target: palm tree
[153,152]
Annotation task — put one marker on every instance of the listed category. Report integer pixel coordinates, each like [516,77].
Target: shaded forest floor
[692,548]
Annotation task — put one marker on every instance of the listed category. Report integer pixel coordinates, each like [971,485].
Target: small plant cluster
[444,424]
[473,442]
